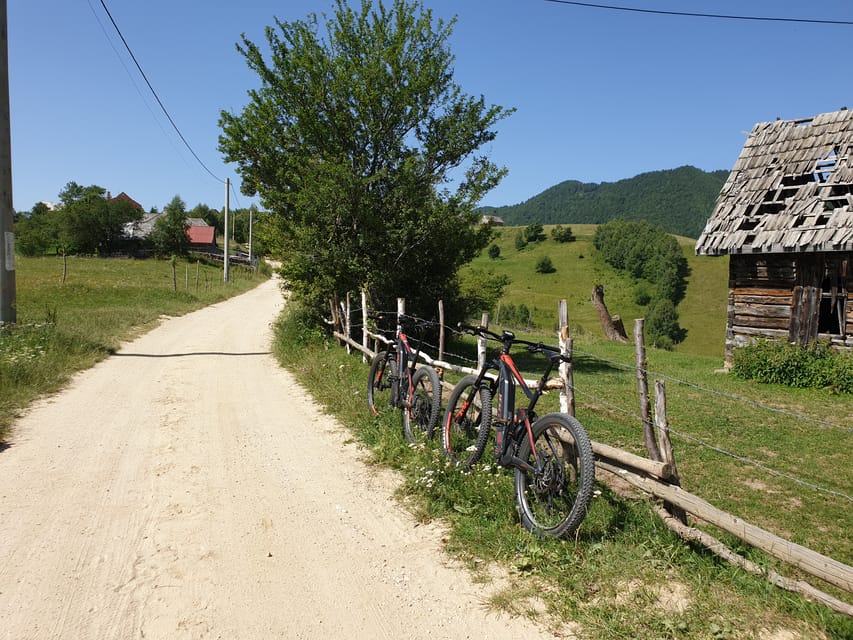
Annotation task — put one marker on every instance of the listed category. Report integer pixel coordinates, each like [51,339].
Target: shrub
[544,265]
[520,241]
[494,252]
[662,324]
[562,234]
[816,366]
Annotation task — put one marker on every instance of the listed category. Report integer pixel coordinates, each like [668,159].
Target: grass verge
[624,575]
[66,327]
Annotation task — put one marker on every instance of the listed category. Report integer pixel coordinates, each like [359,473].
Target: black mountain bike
[395,382]
[551,454]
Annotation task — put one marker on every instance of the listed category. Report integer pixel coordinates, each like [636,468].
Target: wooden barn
[785,218]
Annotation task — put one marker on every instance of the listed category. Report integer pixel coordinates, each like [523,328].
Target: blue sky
[601,95]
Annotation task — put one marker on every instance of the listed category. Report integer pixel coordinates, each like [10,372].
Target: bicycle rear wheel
[552,499]
[423,404]
[467,422]
[382,381]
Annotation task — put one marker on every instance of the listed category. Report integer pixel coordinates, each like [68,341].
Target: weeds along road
[188,488]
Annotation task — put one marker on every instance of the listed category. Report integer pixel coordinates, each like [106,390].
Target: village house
[785,219]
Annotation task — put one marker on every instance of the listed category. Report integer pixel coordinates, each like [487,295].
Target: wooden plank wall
[767,297]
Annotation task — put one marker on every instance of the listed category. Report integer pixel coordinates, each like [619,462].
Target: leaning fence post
[364,325]
[643,389]
[348,325]
[662,425]
[481,343]
[567,393]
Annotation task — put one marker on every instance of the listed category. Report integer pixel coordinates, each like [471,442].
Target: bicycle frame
[511,425]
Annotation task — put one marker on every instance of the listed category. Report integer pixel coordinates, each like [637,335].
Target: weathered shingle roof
[791,190]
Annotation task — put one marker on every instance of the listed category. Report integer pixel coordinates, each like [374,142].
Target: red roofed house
[201,238]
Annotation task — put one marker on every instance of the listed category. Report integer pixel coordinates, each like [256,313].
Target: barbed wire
[707,445]
[729,396]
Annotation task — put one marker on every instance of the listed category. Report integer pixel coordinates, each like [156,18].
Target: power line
[134,82]
[701,15]
[160,102]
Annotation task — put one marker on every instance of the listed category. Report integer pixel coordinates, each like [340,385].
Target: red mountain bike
[551,454]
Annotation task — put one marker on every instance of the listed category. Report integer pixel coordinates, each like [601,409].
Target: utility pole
[8,305]
[251,256]
[225,240]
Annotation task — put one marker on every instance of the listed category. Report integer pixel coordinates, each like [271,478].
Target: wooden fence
[655,476]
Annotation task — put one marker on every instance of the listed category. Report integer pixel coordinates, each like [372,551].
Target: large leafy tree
[169,234]
[364,150]
[91,223]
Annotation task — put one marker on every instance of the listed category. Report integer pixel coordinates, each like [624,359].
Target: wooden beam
[815,564]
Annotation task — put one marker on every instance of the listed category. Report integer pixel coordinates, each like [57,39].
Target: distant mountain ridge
[679,200]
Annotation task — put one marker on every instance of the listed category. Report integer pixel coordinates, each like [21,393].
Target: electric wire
[154,93]
[689,14]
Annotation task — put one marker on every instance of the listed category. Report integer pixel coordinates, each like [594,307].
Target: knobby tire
[553,501]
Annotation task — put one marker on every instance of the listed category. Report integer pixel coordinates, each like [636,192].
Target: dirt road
[188,488]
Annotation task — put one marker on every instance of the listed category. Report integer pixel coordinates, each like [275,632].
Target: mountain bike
[551,454]
[396,382]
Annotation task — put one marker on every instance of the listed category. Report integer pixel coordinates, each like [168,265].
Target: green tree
[170,230]
[520,241]
[544,265]
[36,231]
[212,217]
[534,232]
[90,223]
[494,252]
[562,234]
[354,141]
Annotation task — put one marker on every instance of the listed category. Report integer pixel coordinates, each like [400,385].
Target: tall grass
[63,327]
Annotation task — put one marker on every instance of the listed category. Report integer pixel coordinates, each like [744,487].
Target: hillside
[579,268]
[679,200]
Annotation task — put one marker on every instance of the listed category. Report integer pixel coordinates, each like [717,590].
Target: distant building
[126,198]
[495,221]
[202,238]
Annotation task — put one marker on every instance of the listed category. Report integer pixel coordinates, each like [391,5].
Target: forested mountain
[679,200]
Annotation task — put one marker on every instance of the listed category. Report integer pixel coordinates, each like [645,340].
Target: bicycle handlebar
[507,338]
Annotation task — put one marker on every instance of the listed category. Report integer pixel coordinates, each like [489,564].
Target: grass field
[578,269]
[65,327]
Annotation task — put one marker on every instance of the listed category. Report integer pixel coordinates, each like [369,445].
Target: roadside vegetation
[64,328]
[625,575]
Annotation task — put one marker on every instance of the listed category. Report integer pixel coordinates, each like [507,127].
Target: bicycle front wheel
[381,383]
[423,403]
[552,498]
[467,422]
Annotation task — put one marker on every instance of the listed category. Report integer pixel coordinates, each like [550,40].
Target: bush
[662,324]
[562,234]
[520,241]
[494,252]
[816,366]
[544,265]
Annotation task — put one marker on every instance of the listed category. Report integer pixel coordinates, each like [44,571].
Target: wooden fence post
[364,324]
[481,343]
[643,390]
[348,325]
[401,311]
[441,330]
[668,458]
[567,393]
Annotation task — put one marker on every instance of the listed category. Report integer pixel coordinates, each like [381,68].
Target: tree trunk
[614,330]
